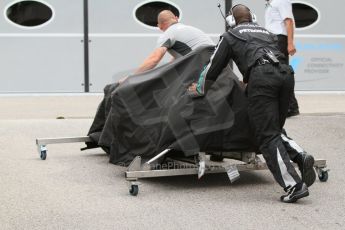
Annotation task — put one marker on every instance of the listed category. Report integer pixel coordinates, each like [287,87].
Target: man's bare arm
[290,36]
[152,60]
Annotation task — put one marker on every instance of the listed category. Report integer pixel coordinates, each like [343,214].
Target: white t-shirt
[275,14]
[180,39]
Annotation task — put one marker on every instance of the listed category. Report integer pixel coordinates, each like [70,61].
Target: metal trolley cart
[200,165]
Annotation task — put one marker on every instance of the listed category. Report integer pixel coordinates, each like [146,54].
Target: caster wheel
[43,154]
[134,190]
[323,176]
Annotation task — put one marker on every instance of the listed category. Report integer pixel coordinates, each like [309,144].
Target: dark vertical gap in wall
[228,5]
[86,47]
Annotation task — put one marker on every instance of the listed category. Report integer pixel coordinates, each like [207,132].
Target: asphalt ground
[81,190]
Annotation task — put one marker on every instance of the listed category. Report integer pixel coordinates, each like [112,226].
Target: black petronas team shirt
[245,44]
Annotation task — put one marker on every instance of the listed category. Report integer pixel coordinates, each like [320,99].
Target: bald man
[178,40]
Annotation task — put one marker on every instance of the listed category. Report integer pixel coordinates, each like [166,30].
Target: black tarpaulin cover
[151,112]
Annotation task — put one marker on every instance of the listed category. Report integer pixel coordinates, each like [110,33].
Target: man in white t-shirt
[178,39]
[279,20]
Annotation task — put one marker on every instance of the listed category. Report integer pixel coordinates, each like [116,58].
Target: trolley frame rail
[181,166]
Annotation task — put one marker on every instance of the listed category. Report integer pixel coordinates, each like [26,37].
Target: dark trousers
[282,45]
[269,89]
[292,147]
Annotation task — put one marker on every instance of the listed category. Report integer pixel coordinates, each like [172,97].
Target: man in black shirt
[270,82]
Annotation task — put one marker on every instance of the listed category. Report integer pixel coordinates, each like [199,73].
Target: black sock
[298,159]
[298,186]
